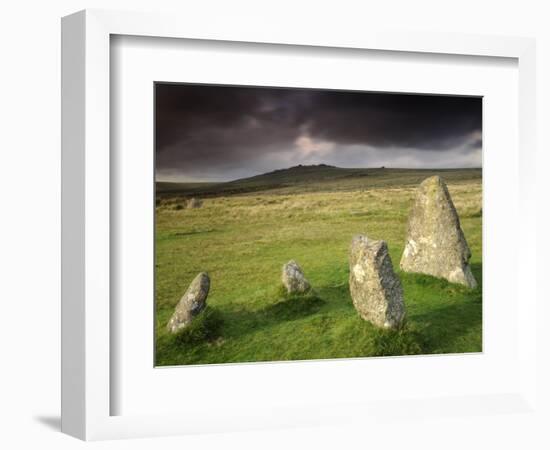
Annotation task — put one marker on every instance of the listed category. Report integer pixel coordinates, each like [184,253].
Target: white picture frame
[86,221]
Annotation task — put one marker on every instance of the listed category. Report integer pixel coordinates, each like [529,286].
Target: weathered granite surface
[375,288]
[191,304]
[435,242]
[293,278]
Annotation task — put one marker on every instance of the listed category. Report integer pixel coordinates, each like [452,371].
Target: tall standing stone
[191,304]
[293,278]
[375,288]
[435,242]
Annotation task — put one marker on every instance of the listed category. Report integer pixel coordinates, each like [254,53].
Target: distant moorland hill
[311,178]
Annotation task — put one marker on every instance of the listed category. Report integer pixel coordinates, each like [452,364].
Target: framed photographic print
[267,229]
[259,192]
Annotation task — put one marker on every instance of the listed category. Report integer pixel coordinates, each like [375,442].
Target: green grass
[206,327]
[242,241]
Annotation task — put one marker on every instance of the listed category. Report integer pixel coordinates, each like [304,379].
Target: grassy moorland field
[246,230]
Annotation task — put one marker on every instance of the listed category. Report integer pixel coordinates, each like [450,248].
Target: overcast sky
[221,133]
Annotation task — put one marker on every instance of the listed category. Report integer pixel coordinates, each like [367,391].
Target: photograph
[298,224]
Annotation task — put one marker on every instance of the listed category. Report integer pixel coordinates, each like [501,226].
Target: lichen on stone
[435,242]
[191,304]
[293,278]
[375,289]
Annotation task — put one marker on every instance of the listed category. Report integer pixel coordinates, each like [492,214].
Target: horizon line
[317,165]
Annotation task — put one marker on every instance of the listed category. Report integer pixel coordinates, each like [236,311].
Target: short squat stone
[293,278]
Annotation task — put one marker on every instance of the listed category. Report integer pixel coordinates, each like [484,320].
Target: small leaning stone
[191,304]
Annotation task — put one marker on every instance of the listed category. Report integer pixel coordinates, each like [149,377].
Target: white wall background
[30,198]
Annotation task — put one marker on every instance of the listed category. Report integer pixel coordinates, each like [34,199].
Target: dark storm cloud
[391,120]
[219,132]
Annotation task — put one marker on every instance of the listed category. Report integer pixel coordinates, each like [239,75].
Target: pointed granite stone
[435,242]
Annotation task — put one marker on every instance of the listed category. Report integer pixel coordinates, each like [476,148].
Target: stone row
[435,246]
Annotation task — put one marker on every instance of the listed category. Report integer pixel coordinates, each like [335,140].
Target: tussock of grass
[205,327]
[292,306]
[475,214]
[406,341]
[283,293]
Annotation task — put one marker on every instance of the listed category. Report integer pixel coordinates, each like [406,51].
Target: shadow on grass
[445,326]
[477,270]
[178,234]
[293,307]
[431,285]
[212,329]
[212,323]
[442,318]
[338,296]
[205,327]
[287,308]
[442,327]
